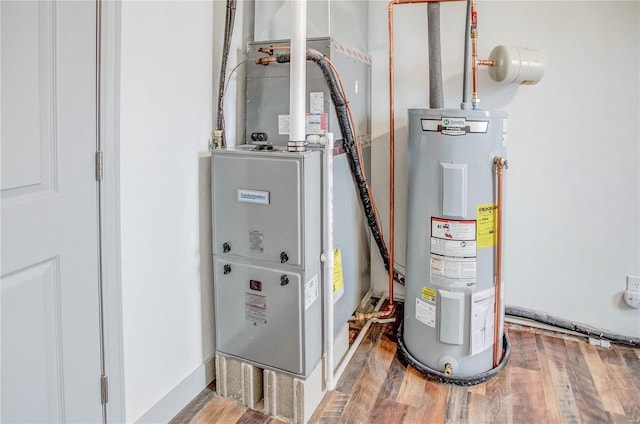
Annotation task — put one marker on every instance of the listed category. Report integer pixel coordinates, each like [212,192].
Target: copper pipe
[474,54]
[500,164]
[265,60]
[475,62]
[360,316]
[392,140]
[391,155]
[269,50]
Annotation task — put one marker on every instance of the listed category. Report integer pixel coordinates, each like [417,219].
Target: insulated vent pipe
[436,96]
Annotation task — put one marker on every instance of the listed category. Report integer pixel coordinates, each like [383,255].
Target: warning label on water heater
[452,262]
[453,230]
[482,307]
[453,272]
[426,313]
[487,225]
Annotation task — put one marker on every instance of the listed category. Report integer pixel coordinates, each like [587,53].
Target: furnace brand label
[253,196]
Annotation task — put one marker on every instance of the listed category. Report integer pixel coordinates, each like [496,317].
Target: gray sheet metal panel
[356,78]
[268,91]
[351,236]
[426,151]
[289,223]
[273,19]
[270,327]
[344,20]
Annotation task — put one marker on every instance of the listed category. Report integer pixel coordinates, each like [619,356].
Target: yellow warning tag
[429,294]
[338,280]
[486,229]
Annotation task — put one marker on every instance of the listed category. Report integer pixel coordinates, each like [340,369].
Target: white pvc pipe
[327,236]
[298,71]
[356,343]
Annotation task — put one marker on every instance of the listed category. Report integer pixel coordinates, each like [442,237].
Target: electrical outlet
[633,283]
[632,298]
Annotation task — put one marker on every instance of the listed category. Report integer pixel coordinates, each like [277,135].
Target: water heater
[448,330]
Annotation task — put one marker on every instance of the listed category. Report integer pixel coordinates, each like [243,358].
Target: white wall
[165,119]
[573,193]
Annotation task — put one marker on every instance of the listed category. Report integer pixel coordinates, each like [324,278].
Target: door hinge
[104,389]
[99,166]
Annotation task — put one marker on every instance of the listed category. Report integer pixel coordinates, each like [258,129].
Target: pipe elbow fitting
[500,162]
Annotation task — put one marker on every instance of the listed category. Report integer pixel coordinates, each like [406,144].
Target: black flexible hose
[437,375]
[340,105]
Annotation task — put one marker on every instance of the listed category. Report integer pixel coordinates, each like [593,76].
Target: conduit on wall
[228,33]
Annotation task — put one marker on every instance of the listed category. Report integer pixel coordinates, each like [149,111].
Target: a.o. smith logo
[451,122]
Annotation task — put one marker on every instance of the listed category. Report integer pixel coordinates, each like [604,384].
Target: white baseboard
[169,406]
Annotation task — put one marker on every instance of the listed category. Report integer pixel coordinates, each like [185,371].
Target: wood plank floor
[550,378]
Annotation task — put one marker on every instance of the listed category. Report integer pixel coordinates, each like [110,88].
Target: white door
[50,355]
